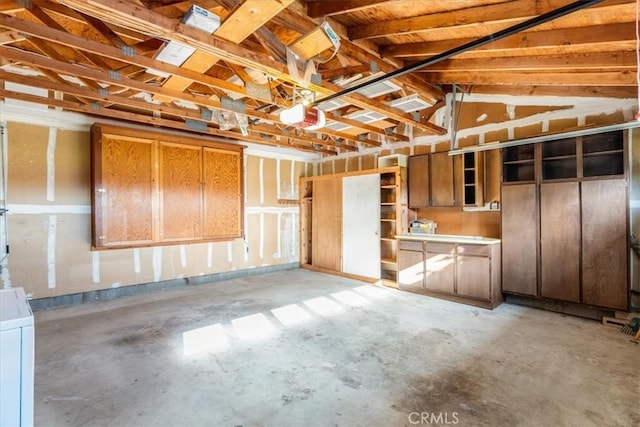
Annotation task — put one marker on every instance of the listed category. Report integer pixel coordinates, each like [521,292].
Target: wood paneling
[124,191]
[222,172]
[442,178]
[473,276]
[181,197]
[419,181]
[519,239]
[604,243]
[327,223]
[560,241]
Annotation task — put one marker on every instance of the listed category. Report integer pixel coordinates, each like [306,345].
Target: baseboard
[573,309]
[48,303]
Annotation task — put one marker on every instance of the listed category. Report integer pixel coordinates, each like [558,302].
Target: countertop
[449,238]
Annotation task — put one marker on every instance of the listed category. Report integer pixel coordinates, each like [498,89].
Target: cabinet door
[327,224]
[419,181]
[604,243]
[222,193]
[473,276]
[361,225]
[410,268]
[181,198]
[439,270]
[124,191]
[519,239]
[560,241]
[442,177]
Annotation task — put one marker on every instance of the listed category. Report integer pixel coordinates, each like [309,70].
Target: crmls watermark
[439,418]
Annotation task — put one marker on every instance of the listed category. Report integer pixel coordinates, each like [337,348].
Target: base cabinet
[467,273]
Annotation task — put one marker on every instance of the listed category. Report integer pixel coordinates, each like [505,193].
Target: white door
[361,225]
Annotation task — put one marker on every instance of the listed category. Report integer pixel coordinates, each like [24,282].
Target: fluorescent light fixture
[336,126]
[331,105]
[409,103]
[172,53]
[364,116]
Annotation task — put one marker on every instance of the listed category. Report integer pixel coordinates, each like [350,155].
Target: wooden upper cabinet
[431,180]
[151,188]
[123,190]
[180,199]
[442,178]
[419,181]
[222,183]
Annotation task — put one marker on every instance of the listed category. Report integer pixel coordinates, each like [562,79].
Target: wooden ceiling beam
[238,25]
[134,17]
[321,8]
[623,92]
[150,120]
[551,39]
[625,60]
[76,42]
[604,78]
[503,13]
[293,19]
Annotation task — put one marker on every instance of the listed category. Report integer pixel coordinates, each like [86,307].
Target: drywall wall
[48,192]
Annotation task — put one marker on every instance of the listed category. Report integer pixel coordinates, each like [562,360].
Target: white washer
[16,358]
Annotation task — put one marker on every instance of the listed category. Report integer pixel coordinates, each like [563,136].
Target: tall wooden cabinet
[519,239]
[327,224]
[564,220]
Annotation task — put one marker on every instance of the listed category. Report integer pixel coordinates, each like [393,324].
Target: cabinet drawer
[477,250]
[440,248]
[410,245]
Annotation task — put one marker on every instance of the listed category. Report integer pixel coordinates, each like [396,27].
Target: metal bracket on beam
[373,66]
[258,91]
[196,125]
[103,92]
[206,114]
[128,50]
[236,105]
[114,75]
[94,106]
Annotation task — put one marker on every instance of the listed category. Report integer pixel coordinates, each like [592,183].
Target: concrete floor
[300,348]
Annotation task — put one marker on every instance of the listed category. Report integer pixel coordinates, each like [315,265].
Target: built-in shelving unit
[473,179]
[518,164]
[388,225]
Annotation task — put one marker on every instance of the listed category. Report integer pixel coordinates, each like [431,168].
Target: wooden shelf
[602,153]
[388,261]
[387,239]
[388,219]
[390,186]
[518,162]
[388,204]
[554,158]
